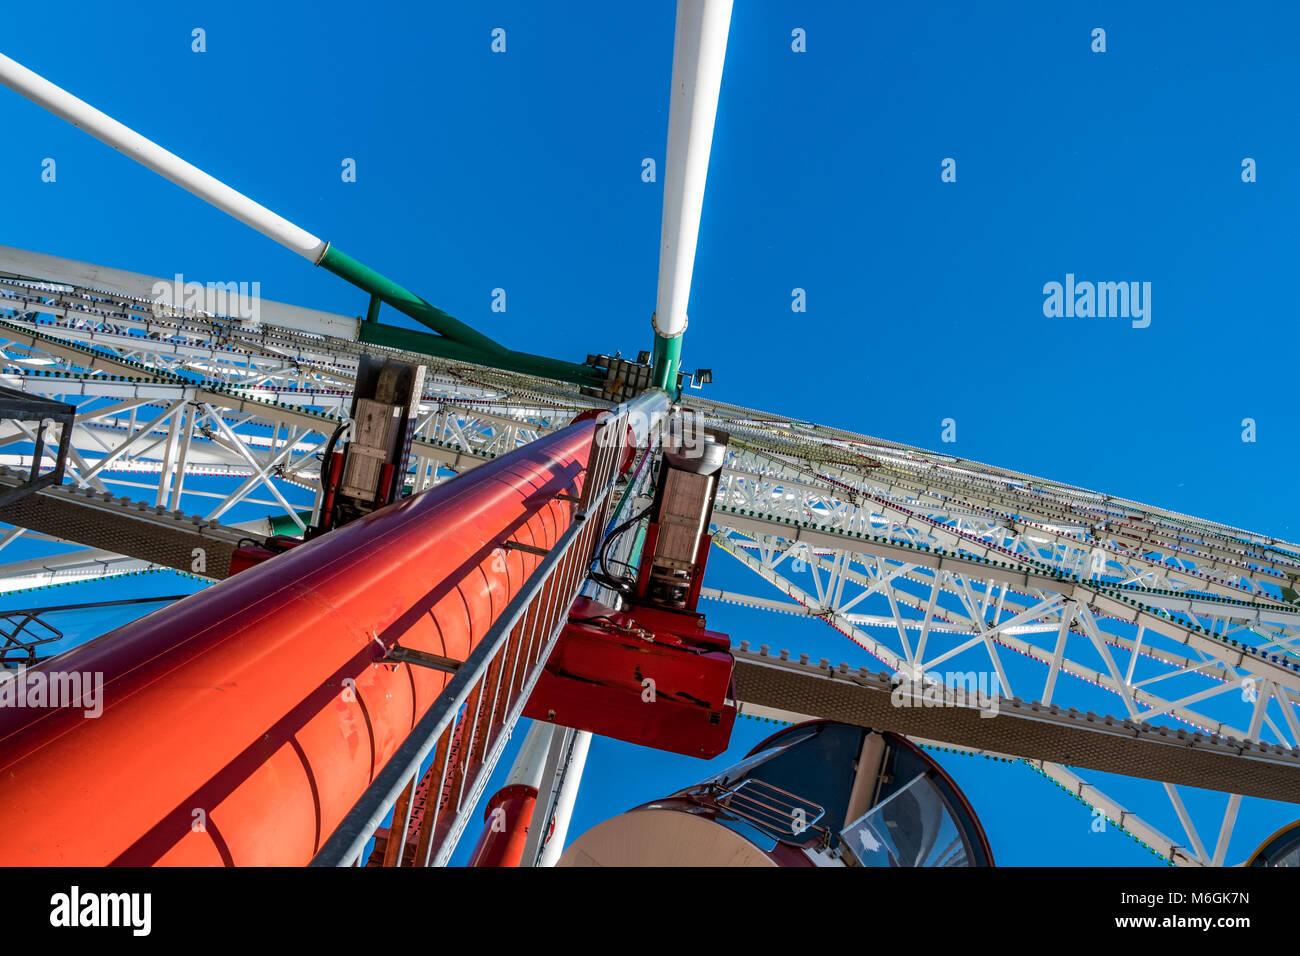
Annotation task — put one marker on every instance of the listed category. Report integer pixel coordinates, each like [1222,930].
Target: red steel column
[240,724]
[505,826]
[509,812]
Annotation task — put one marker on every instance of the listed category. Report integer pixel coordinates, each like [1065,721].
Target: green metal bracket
[409,340]
[405,301]
[455,340]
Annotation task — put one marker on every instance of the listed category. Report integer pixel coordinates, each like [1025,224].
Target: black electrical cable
[621,529]
[325,465]
[624,586]
[267,544]
[329,445]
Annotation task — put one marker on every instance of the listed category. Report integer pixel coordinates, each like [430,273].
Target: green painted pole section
[667,360]
[455,340]
[283,524]
[405,301]
[409,340]
[637,547]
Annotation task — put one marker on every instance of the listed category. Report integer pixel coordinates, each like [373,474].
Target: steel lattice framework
[1066,598]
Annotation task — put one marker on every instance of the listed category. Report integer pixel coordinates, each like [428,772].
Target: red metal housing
[649,676]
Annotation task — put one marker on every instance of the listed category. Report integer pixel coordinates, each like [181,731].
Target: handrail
[521,637]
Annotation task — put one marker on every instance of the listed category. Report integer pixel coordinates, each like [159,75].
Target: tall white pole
[530,764]
[566,798]
[148,153]
[699,48]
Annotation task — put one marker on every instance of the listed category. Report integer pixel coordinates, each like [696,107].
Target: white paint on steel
[698,52]
[566,798]
[530,764]
[136,285]
[148,153]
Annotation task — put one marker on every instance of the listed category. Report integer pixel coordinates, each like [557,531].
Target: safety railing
[467,727]
[778,813]
[53,422]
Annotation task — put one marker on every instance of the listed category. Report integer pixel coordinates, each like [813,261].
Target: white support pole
[566,798]
[530,763]
[169,458]
[179,479]
[557,748]
[699,49]
[149,154]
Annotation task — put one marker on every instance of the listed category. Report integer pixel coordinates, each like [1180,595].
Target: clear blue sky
[522,171]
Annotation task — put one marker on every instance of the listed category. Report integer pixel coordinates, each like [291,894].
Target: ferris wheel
[396,544]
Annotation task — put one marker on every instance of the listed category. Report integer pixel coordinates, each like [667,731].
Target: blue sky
[522,171]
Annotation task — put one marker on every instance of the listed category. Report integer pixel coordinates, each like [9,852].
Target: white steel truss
[1058,594]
